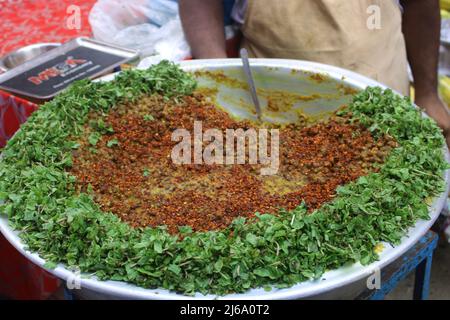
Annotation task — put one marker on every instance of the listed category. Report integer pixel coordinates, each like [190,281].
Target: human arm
[421,28]
[203,26]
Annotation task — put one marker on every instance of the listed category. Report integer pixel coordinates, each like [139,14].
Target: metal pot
[25,54]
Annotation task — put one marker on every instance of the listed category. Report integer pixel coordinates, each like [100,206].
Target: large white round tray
[271,74]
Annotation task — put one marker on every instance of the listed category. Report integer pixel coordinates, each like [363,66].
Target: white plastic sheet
[151,26]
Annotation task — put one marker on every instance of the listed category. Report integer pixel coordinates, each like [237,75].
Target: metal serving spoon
[251,82]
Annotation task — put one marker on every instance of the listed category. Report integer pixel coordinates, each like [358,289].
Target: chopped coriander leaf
[112,142]
[101,126]
[148,117]
[94,137]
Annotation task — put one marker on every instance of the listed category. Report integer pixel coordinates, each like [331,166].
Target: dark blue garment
[228,6]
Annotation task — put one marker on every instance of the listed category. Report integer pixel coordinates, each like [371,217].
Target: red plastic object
[24,22]
[13,112]
[21,279]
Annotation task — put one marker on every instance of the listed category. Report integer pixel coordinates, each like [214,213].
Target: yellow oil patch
[379,248]
[279,185]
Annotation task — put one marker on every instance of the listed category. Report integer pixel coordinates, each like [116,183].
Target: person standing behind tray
[336,32]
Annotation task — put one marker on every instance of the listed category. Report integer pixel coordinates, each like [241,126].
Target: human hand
[437,110]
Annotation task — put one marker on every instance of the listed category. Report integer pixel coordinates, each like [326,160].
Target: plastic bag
[151,26]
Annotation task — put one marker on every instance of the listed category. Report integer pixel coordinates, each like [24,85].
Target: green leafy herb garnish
[112,142]
[94,137]
[101,126]
[148,117]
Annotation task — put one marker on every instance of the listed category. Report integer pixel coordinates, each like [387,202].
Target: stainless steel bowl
[25,54]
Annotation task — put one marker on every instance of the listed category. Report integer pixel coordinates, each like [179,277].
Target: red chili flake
[137,180]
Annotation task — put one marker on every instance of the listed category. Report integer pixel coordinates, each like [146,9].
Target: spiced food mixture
[125,159]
